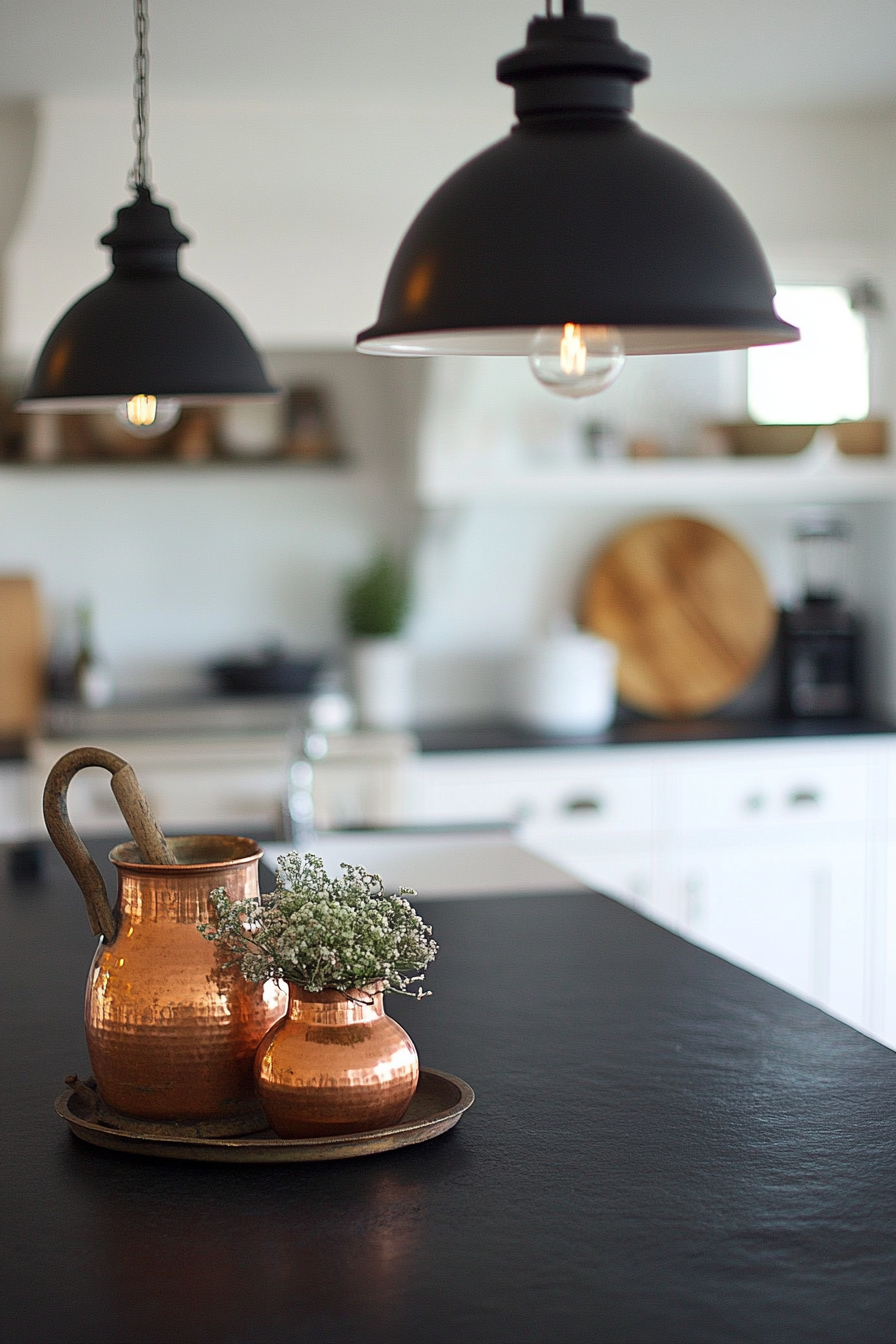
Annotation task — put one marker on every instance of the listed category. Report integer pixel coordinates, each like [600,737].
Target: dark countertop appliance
[821,672]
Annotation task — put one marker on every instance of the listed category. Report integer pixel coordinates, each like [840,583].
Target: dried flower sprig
[324,932]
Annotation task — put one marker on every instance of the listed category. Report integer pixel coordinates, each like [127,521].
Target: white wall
[184,564]
[819,188]
[491,577]
[18,133]
[297,209]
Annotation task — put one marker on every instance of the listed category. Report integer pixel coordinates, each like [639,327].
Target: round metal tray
[436,1106]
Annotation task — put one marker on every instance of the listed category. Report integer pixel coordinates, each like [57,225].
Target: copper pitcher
[171,1030]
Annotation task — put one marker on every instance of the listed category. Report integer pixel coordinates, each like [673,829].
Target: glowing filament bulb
[142,411]
[573,350]
[146,416]
[576,361]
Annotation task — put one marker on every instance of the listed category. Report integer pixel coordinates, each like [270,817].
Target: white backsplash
[181,565]
[494,577]
[489,417]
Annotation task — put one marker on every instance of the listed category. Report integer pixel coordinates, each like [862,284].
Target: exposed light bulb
[576,361]
[146,416]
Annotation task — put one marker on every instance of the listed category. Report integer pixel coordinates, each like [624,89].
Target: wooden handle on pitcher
[147,833]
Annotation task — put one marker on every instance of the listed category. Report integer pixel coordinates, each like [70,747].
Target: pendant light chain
[139,177]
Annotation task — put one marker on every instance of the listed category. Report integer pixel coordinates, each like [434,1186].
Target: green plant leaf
[376,600]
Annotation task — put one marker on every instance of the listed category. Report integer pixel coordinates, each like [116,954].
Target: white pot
[567,685]
[384,682]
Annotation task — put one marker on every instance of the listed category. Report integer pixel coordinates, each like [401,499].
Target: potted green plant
[335,1064]
[375,608]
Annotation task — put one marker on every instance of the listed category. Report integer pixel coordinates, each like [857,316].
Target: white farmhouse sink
[462,863]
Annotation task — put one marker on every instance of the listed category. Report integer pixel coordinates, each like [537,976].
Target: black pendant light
[145,341]
[578,238]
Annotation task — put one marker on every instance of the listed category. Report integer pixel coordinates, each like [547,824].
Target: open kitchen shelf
[672,480]
[159,466]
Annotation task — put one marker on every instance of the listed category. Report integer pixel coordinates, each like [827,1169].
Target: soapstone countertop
[664,1149]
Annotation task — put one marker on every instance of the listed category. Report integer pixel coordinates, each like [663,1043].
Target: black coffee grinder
[820,638]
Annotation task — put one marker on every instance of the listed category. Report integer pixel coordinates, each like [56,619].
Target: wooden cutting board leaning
[689,610]
[22,656]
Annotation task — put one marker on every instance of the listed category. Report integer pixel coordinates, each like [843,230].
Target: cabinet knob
[804,798]
[584,805]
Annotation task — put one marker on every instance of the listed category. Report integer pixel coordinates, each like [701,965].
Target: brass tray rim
[257,1149]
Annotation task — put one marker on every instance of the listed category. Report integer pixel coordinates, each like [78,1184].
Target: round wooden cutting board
[688,609]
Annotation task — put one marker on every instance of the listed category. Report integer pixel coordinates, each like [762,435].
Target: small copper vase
[335,1064]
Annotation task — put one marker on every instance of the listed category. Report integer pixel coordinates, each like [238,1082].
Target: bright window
[819,379]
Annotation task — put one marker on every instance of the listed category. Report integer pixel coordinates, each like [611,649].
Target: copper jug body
[171,1031]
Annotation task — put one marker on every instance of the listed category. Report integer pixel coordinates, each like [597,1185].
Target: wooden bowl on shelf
[747,439]
[862,438]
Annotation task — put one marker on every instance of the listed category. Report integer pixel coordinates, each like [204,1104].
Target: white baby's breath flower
[325,933]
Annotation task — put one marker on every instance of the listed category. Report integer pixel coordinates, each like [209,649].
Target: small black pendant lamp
[578,238]
[145,341]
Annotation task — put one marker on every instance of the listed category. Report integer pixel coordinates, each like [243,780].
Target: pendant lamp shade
[577,216]
[145,330]
[145,341]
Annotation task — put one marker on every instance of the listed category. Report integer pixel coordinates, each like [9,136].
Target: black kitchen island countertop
[663,1148]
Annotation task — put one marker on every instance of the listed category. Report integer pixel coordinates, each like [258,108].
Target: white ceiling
[761,52]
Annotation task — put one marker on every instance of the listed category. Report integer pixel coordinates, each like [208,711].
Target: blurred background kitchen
[224,604]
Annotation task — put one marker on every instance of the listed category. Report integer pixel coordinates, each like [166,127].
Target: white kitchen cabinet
[794,913]
[749,790]
[627,872]
[882,951]
[602,792]
[779,854]
[764,911]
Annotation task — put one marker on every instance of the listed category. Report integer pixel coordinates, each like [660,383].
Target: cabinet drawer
[192,784]
[751,796]
[183,800]
[582,793]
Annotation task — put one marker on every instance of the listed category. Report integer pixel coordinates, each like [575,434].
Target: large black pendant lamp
[145,341]
[578,238]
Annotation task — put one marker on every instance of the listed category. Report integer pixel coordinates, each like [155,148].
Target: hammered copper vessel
[335,1065]
[171,1031]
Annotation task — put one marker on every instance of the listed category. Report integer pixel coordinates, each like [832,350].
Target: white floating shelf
[810,477]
